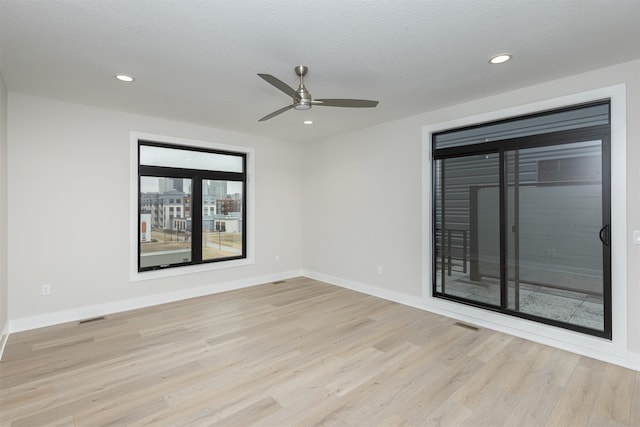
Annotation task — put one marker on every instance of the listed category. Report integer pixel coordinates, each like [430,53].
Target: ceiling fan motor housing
[304,103]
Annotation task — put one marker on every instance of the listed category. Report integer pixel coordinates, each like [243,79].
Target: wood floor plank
[496,410]
[634,417]
[448,414]
[482,383]
[434,390]
[301,353]
[612,404]
[575,405]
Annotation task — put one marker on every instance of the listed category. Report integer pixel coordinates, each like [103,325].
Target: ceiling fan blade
[353,103]
[275,113]
[280,85]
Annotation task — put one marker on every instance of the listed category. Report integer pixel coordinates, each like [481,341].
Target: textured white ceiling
[197,61]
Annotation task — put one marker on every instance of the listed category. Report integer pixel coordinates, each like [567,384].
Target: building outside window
[179,188]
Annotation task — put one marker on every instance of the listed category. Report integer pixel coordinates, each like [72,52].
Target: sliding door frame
[599,132]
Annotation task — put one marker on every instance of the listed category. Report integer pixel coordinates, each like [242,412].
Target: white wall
[357,207]
[69,211]
[362,206]
[4,284]
[362,203]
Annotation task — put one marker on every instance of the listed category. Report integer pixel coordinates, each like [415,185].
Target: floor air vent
[94,319]
[464,325]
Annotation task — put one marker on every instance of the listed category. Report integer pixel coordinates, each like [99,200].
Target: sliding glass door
[522,226]
[557,233]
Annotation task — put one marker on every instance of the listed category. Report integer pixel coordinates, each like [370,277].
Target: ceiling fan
[302,99]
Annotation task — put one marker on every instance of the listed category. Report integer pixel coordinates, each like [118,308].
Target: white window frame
[249,229]
[614,350]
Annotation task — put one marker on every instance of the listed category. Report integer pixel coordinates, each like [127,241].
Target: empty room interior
[305,213]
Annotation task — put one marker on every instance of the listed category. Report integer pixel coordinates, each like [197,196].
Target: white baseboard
[4,337]
[96,310]
[574,342]
[398,297]
[634,358]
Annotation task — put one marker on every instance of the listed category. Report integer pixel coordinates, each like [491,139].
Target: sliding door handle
[604,235]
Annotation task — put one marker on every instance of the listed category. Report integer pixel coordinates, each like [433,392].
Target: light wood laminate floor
[301,353]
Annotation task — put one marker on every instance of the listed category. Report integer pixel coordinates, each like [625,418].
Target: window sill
[189,269]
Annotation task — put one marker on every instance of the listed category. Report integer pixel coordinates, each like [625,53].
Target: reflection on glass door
[457,236]
[525,231]
[555,232]
[521,210]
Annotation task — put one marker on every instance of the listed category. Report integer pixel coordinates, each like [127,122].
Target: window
[173,183]
[521,217]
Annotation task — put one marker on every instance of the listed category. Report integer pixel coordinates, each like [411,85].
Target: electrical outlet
[277,258]
[380,270]
[45,289]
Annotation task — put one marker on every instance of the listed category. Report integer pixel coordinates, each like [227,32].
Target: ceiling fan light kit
[302,100]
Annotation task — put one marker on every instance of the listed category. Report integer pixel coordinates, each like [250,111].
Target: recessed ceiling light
[499,59]
[308,122]
[124,78]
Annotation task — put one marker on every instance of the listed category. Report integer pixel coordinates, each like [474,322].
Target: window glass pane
[468,228]
[188,159]
[536,125]
[165,224]
[222,224]
[554,258]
